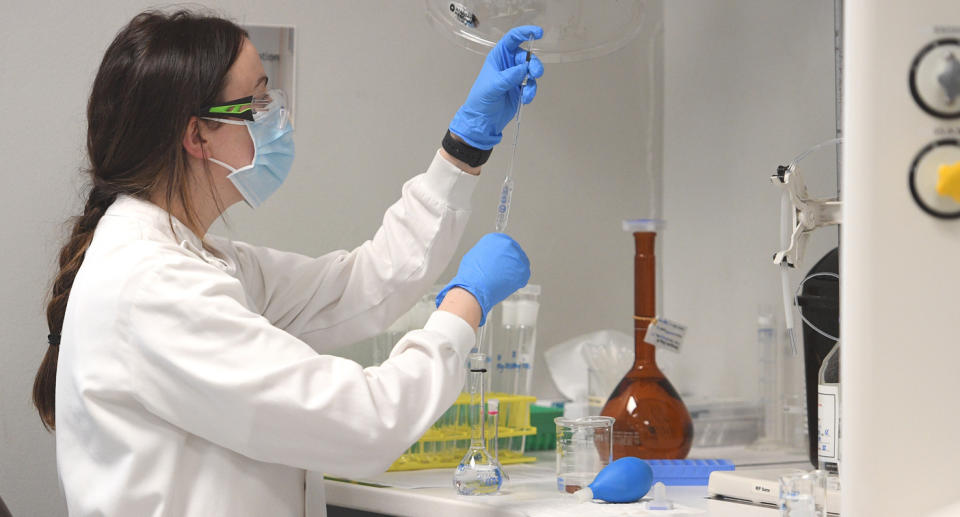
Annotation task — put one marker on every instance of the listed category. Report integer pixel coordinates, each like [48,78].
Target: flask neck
[475,378]
[644,298]
[645,354]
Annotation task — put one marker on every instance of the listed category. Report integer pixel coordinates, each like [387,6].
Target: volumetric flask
[478,472]
[584,448]
[652,421]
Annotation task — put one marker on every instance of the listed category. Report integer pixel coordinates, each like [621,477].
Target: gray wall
[748,83]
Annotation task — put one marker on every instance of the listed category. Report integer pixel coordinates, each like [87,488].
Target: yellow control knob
[948,183]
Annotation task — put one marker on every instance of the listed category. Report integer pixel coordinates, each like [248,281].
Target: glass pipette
[506,192]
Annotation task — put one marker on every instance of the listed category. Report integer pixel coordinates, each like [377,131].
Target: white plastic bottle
[828,416]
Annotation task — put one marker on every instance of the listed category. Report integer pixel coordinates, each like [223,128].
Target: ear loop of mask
[224,165]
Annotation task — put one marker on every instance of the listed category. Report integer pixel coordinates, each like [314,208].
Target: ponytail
[71,256]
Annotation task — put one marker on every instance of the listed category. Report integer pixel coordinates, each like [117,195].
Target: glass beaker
[803,494]
[584,448]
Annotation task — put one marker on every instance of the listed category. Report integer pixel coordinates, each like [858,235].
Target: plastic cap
[644,225]
[508,312]
[531,289]
[526,313]
[765,320]
[660,501]
[477,361]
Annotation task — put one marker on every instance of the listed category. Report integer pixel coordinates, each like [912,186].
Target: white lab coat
[190,380]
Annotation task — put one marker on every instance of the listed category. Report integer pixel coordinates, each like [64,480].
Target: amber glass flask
[651,420]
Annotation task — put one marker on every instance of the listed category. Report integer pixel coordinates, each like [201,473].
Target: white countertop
[532,492]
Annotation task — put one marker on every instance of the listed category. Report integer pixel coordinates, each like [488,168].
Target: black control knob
[935,78]
[949,78]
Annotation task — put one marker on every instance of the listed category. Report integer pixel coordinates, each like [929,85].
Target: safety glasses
[251,108]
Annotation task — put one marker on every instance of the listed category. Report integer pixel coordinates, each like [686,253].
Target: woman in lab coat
[186,369]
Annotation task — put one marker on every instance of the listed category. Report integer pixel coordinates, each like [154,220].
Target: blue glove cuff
[456,282]
[475,129]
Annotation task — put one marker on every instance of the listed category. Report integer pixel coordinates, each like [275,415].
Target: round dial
[935,78]
[935,179]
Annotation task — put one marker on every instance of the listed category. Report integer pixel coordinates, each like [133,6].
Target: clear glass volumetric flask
[478,472]
[584,448]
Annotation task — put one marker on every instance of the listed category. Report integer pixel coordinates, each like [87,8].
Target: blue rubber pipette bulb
[623,481]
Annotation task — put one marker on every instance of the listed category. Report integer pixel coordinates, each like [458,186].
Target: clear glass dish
[573,30]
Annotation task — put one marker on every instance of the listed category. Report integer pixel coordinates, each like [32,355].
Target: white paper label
[827,421]
[663,333]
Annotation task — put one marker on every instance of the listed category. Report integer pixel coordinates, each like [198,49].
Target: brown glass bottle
[651,420]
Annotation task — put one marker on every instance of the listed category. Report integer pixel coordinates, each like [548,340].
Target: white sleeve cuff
[449,183]
[460,332]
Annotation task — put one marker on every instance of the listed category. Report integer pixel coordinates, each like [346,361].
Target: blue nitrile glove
[493,269]
[493,100]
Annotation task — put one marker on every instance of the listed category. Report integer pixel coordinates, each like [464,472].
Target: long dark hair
[159,71]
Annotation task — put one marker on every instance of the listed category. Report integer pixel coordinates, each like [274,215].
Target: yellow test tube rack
[446,442]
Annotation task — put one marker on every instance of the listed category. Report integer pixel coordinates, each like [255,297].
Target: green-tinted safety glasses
[247,108]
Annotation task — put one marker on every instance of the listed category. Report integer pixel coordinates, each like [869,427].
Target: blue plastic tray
[686,472]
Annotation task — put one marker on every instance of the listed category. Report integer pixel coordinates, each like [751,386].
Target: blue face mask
[273,151]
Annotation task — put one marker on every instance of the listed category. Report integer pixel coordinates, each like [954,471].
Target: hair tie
[53,339]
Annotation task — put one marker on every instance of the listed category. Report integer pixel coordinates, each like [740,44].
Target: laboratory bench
[532,492]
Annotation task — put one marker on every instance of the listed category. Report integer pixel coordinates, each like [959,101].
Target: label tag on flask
[664,333]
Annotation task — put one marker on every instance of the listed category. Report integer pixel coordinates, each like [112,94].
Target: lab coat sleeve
[344,297]
[202,361]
